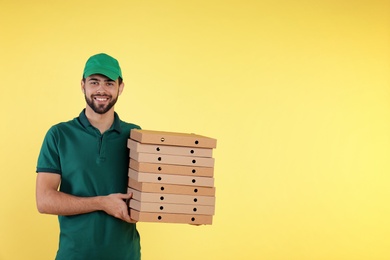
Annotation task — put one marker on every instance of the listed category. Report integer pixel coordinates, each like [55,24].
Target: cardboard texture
[171,218]
[172,198]
[171,138]
[171,169]
[171,179]
[172,159]
[168,149]
[171,208]
[171,189]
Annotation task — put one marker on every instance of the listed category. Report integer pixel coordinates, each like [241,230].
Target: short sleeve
[49,159]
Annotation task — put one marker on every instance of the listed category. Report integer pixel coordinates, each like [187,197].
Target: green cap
[102,64]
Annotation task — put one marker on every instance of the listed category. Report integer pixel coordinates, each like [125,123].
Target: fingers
[125,195]
[132,220]
[126,209]
[117,206]
[126,213]
[127,217]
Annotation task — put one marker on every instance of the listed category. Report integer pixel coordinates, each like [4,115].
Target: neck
[101,121]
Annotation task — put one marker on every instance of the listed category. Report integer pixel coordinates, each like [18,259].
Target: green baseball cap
[102,64]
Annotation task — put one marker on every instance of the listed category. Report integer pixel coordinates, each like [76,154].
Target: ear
[82,86]
[121,87]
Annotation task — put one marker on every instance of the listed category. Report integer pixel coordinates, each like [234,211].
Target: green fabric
[91,164]
[102,64]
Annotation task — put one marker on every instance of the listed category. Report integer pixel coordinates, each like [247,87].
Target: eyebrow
[106,80]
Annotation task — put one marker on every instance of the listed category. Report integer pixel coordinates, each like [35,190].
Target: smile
[101,98]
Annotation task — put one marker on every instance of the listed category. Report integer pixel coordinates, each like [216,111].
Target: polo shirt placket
[102,148]
[102,139]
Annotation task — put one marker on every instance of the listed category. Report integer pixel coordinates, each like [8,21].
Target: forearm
[59,203]
[51,201]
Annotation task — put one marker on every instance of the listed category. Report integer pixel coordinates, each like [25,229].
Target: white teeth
[101,99]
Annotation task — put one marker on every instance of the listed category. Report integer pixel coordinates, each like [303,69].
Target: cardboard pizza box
[171,179]
[171,218]
[171,169]
[171,138]
[171,208]
[164,188]
[172,198]
[169,149]
[172,159]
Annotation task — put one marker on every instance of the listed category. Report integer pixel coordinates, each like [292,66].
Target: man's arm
[51,201]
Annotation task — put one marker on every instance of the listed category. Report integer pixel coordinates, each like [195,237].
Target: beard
[100,109]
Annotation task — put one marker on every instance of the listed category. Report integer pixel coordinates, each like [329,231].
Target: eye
[110,84]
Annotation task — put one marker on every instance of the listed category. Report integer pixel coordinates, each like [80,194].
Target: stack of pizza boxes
[171,177]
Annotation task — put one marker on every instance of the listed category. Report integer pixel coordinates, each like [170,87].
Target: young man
[82,172]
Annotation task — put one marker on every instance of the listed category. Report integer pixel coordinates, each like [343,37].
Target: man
[82,172]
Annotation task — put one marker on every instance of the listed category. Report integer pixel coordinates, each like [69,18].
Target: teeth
[101,99]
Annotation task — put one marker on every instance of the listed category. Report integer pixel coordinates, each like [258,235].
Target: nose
[100,89]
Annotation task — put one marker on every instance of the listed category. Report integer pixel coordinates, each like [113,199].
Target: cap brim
[109,74]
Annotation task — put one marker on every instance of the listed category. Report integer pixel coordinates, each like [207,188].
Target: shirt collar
[116,126]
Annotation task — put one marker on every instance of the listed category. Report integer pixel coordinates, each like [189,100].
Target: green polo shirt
[91,164]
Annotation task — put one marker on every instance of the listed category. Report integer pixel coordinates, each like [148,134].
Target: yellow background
[296,92]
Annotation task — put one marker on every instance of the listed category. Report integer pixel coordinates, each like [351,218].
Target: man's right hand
[115,205]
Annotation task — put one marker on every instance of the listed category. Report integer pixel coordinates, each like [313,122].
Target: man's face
[101,93]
